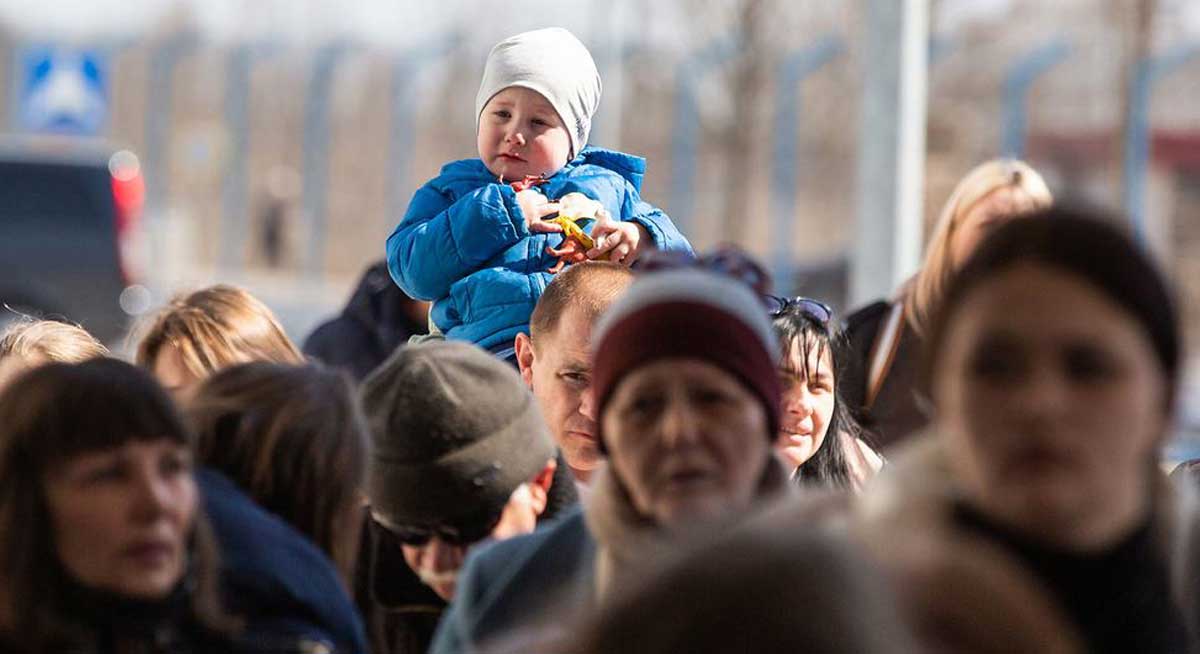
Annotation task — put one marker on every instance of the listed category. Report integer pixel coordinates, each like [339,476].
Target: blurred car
[67,212]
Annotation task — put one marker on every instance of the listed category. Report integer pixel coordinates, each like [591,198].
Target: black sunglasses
[813,309]
[728,261]
[469,532]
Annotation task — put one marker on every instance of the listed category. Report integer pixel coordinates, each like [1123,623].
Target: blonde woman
[28,342]
[199,333]
[887,334]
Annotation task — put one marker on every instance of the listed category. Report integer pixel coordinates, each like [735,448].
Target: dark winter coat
[103,621]
[401,612]
[284,588]
[896,413]
[374,323]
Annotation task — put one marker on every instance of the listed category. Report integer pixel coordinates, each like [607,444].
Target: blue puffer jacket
[463,242]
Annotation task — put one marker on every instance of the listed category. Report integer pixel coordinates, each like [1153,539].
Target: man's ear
[539,486]
[524,347]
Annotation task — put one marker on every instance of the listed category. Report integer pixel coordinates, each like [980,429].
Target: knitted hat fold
[688,314]
[454,432]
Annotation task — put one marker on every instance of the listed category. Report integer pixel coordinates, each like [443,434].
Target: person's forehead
[572,336]
[1065,308]
[813,353]
[514,95]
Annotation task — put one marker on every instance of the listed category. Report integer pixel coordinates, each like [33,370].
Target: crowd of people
[642,451]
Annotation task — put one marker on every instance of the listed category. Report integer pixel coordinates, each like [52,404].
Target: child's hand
[622,241]
[535,207]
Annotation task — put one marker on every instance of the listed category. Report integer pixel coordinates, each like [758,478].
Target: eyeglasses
[814,309]
[470,531]
[728,261]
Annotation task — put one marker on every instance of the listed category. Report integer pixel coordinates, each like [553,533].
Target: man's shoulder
[566,533]
[514,567]
[510,582]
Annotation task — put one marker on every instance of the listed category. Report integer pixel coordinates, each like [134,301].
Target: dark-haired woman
[1053,367]
[818,438]
[105,546]
[293,438]
[102,548]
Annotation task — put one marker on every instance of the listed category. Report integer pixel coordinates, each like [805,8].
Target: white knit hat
[554,63]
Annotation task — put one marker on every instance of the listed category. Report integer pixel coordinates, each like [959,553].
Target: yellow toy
[573,208]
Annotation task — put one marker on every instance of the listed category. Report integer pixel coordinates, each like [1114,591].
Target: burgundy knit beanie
[691,314]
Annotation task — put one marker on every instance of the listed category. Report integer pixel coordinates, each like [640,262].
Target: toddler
[477,244]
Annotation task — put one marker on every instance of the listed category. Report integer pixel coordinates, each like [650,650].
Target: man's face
[558,370]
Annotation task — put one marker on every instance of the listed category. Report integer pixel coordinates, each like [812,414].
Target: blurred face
[173,375]
[687,440]
[1052,405]
[521,134]
[122,517]
[559,372]
[991,211]
[808,400]
[437,562]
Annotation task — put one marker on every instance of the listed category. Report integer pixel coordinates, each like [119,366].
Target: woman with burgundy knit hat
[687,400]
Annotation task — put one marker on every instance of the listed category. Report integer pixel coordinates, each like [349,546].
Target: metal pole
[111,50]
[891,157]
[159,106]
[1017,85]
[316,150]
[792,71]
[16,77]
[1137,135]
[233,190]
[687,123]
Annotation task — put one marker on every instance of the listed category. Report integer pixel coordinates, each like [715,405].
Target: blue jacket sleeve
[666,236]
[441,241]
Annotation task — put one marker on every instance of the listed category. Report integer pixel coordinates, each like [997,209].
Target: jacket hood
[629,166]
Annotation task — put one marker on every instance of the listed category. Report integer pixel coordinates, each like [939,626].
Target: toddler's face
[521,134]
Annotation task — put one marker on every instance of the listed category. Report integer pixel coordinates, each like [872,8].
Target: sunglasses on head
[467,533]
[813,309]
[728,261]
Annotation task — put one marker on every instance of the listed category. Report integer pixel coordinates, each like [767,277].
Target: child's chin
[509,170]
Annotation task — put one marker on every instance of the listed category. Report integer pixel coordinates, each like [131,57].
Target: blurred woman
[293,438]
[26,343]
[102,547]
[887,336]
[199,333]
[818,440]
[688,404]
[1053,366]
[741,594]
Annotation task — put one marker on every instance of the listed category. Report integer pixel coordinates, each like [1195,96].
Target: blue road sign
[63,91]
